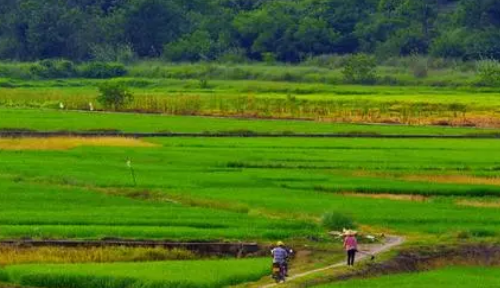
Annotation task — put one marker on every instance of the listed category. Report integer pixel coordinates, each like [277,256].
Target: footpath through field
[391,242]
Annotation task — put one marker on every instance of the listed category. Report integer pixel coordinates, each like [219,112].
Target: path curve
[391,242]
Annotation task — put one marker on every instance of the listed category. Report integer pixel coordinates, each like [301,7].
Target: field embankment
[420,266]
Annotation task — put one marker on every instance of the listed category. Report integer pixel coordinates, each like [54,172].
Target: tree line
[235,30]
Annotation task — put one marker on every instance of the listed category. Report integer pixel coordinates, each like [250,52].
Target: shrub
[114,95]
[451,44]
[360,69]
[482,233]
[269,58]
[101,70]
[336,221]
[111,53]
[233,56]
[489,72]
[49,69]
[420,67]
[4,277]
[204,83]
[332,61]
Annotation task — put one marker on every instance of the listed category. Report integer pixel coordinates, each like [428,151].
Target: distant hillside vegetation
[237,30]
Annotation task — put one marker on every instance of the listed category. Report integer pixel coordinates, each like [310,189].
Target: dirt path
[391,242]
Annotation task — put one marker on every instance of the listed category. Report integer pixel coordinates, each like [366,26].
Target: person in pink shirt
[351,246]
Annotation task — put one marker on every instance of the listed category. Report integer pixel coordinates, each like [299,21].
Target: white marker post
[129,165]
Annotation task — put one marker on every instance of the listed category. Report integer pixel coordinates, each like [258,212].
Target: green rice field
[245,189]
[244,178]
[453,277]
[51,120]
[61,211]
[185,274]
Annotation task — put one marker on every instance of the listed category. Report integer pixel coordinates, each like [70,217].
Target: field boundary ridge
[245,134]
[202,248]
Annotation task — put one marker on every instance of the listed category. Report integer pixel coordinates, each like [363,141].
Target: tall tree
[152,23]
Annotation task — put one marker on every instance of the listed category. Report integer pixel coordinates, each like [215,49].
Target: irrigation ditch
[203,249]
[15,133]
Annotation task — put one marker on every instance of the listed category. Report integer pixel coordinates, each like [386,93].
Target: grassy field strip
[217,174]
[179,274]
[45,211]
[12,255]
[480,277]
[52,120]
[258,99]
[234,86]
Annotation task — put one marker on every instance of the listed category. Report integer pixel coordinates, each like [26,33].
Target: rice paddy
[452,277]
[74,121]
[209,273]
[63,255]
[235,180]
[45,211]
[240,189]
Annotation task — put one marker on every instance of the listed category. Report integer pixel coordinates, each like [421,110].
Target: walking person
[350,246]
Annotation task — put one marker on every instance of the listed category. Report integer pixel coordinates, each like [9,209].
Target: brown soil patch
[479,204]
[398,197]
[65,143]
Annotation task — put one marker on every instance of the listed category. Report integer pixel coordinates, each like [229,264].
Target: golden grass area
[479,203]
[398,197]
[65,143]
[18,255]
[453,179]
[446,179]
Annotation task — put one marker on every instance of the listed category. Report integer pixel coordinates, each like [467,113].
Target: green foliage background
[285,30]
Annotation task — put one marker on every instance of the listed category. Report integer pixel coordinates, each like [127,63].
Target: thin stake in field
[129,165]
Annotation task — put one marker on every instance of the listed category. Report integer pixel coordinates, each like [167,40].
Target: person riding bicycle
[280,256]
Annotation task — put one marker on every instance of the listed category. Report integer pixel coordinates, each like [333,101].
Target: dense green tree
[287,30]
[152,23]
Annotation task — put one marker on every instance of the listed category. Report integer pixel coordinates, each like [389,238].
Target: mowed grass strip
[178,274]
[64,143]
[453,277]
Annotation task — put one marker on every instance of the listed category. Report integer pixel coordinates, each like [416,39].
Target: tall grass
[359,108]
[27,255]
[322,69]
